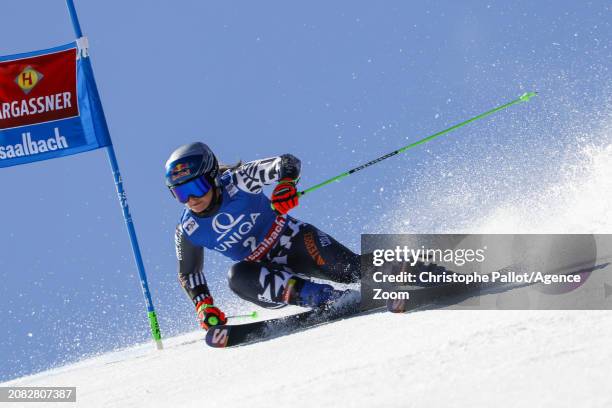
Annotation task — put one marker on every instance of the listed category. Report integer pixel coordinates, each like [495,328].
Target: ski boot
[301,292]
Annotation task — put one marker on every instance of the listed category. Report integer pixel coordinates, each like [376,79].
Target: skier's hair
[225,167]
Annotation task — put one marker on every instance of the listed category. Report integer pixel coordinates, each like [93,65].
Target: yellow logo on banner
[28,79]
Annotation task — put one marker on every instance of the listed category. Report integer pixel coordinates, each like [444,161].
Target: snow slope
[429,358]
[433,358]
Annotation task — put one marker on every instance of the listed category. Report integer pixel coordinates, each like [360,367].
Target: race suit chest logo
[190,226]
[233,231]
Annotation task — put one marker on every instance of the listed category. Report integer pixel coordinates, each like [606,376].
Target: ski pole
[523,98]
[253,315]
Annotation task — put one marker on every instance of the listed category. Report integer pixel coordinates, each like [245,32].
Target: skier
[276,254]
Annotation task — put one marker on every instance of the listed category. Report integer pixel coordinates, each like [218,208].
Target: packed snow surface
[429,358]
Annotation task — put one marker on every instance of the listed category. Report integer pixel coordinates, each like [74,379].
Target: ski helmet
[189,162]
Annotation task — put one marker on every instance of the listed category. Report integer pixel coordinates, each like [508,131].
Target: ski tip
[217,336]
[527,96]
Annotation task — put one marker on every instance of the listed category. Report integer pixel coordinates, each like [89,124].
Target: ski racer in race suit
[276,254]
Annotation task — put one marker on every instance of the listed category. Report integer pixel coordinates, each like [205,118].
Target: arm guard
[190,263]
[252,176]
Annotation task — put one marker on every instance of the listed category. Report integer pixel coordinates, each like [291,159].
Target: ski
[426,296]
[444,295]
[231,335]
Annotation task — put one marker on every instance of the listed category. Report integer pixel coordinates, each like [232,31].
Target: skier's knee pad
[244,279]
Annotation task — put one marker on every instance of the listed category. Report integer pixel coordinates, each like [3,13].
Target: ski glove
[285,196]
[209,314]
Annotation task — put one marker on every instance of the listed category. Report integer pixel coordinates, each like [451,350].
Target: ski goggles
[198,187]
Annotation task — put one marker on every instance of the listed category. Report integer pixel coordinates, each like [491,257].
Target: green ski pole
[523,98]
[253,315]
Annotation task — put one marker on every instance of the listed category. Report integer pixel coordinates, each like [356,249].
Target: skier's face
[199,204]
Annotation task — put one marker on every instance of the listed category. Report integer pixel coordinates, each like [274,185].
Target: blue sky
[335,83]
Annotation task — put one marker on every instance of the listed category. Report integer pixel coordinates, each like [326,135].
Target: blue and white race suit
[246,229]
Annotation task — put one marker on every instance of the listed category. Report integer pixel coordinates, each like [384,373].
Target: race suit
[269,248]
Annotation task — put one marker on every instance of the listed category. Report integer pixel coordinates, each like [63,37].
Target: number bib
[238,229]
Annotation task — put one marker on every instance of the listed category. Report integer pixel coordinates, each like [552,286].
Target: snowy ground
[428,358]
